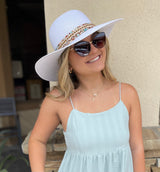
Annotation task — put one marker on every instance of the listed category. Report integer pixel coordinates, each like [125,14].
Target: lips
[94,59]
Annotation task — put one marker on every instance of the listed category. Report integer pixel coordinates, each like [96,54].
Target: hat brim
[47,66]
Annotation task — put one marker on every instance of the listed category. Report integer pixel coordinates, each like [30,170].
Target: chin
[98,70]
[101,67]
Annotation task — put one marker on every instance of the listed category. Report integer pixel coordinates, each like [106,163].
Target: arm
[46,122]
[135,126]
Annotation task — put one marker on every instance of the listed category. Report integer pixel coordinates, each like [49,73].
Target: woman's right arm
[46,122]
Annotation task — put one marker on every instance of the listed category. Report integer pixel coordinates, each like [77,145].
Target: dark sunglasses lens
[82,48]
[99,40]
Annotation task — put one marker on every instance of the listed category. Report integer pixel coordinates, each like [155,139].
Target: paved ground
[19,165]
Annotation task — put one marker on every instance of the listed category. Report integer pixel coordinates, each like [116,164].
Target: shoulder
[49,101]
[55,92]
[129,95]
[55,99]
[129,90]
[126,88]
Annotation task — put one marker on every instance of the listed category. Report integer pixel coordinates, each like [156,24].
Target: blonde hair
[68,82]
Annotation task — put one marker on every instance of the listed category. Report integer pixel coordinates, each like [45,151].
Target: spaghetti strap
[71,102]
[120,90]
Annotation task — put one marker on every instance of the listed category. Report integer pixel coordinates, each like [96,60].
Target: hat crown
[64,24]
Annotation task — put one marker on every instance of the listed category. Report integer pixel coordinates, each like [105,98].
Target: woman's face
[94,62]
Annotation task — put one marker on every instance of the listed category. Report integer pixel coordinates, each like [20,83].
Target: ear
[70,69]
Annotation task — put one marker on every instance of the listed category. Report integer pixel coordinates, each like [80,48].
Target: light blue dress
[98,142]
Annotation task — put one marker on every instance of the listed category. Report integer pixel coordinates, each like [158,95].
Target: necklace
[93,95]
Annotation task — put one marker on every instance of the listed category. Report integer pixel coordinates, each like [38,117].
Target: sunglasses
[83,48]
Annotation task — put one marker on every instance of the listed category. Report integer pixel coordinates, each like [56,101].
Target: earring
[70,70]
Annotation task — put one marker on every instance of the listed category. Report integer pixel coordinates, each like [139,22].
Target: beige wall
[135,43]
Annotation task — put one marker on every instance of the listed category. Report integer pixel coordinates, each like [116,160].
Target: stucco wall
[134,42]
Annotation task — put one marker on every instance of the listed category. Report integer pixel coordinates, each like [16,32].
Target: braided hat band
[74,34]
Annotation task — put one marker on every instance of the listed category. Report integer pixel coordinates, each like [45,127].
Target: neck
[92,82]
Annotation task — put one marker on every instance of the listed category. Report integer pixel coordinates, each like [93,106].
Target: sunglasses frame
[90,42]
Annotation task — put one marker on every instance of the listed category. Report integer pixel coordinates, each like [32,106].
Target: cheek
[104,55]
[104,52]
[75,61]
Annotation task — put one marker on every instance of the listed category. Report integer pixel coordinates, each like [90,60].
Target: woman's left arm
[135,127]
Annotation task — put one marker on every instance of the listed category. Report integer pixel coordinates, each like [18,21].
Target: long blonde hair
[68,82]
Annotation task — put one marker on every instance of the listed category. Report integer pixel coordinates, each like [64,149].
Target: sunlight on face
[92,63]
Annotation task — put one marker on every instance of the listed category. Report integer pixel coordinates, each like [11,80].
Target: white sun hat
[68,29]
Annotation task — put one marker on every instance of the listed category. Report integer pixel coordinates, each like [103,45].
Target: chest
[91,107]
[107,129]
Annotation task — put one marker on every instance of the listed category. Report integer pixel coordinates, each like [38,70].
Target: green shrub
[7,160]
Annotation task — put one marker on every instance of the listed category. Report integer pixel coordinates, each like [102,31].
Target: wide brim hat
[68,29]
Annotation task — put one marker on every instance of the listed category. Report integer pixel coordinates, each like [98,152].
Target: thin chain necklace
[94,95]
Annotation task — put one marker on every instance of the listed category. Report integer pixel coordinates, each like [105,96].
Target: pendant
[94,94]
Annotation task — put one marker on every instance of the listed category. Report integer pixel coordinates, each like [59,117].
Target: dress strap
[71,102]
[120,90]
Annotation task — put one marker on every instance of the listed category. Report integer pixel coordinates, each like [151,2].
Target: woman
[101,117]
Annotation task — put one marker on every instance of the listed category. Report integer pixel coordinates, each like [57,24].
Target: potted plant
[7,159]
